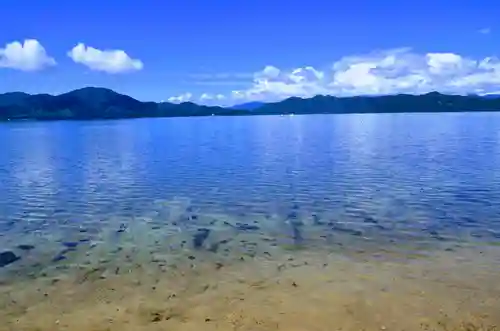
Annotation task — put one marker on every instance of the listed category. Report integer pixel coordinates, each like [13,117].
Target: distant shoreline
[93,103]
[31,120]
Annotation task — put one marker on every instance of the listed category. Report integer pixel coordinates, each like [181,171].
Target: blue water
[395,177]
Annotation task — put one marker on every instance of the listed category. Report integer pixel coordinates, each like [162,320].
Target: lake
[383,221]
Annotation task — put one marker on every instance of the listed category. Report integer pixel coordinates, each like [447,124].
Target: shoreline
[302,290]
[44,120]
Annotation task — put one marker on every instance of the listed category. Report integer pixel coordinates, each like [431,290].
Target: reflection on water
[326,204]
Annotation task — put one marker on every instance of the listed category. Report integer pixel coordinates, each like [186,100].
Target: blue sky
[220,48]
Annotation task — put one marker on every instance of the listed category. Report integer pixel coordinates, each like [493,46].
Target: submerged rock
[214,247]
[369,219]
[200,237]
[436,235]
[353,232]
[25,247]
[67,250]
[58,258]
[7,258]
[316,219]
[70,244]
[247,227]
[297,234]
[122,228]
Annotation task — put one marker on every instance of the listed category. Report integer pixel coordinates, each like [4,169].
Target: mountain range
[248,106]
[101,103]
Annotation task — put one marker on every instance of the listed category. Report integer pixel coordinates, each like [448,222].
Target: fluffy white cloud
[377,73]
[212,99]
[180,98]
[112,61]
[27,56]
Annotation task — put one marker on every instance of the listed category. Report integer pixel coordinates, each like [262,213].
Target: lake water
[348,222]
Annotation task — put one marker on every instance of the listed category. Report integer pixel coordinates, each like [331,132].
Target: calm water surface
[394,180]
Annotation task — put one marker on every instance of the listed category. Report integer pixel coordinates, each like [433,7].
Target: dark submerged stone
[214,248]
[122,228]
[247,227]
[7,258]
[200,237]
[25,247]
[67,250]
[70,244]
[58,258]
[297,234]
[316,219]
[369,219]
[353,232]
[436,235]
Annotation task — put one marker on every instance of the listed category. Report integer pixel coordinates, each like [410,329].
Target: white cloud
[27,56]
[377,73]
[485,31]
[112,61]
[212,99]
[269,72]
[208,96]
[180,98]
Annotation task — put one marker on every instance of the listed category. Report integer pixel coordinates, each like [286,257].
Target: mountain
[248,106]
[99,103]
[92,103]
[491,96]
[401,103]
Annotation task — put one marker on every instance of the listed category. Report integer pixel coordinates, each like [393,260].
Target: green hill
[100,103]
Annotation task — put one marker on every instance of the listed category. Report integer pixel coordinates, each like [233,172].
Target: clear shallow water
[421,175]
[396,178]
[102,198]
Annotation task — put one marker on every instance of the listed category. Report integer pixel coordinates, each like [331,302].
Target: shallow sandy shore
[301,290]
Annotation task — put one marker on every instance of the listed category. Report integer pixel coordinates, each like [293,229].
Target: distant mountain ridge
[248,105]
[100,103]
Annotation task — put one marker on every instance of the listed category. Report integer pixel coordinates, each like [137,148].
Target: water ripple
[386,178]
